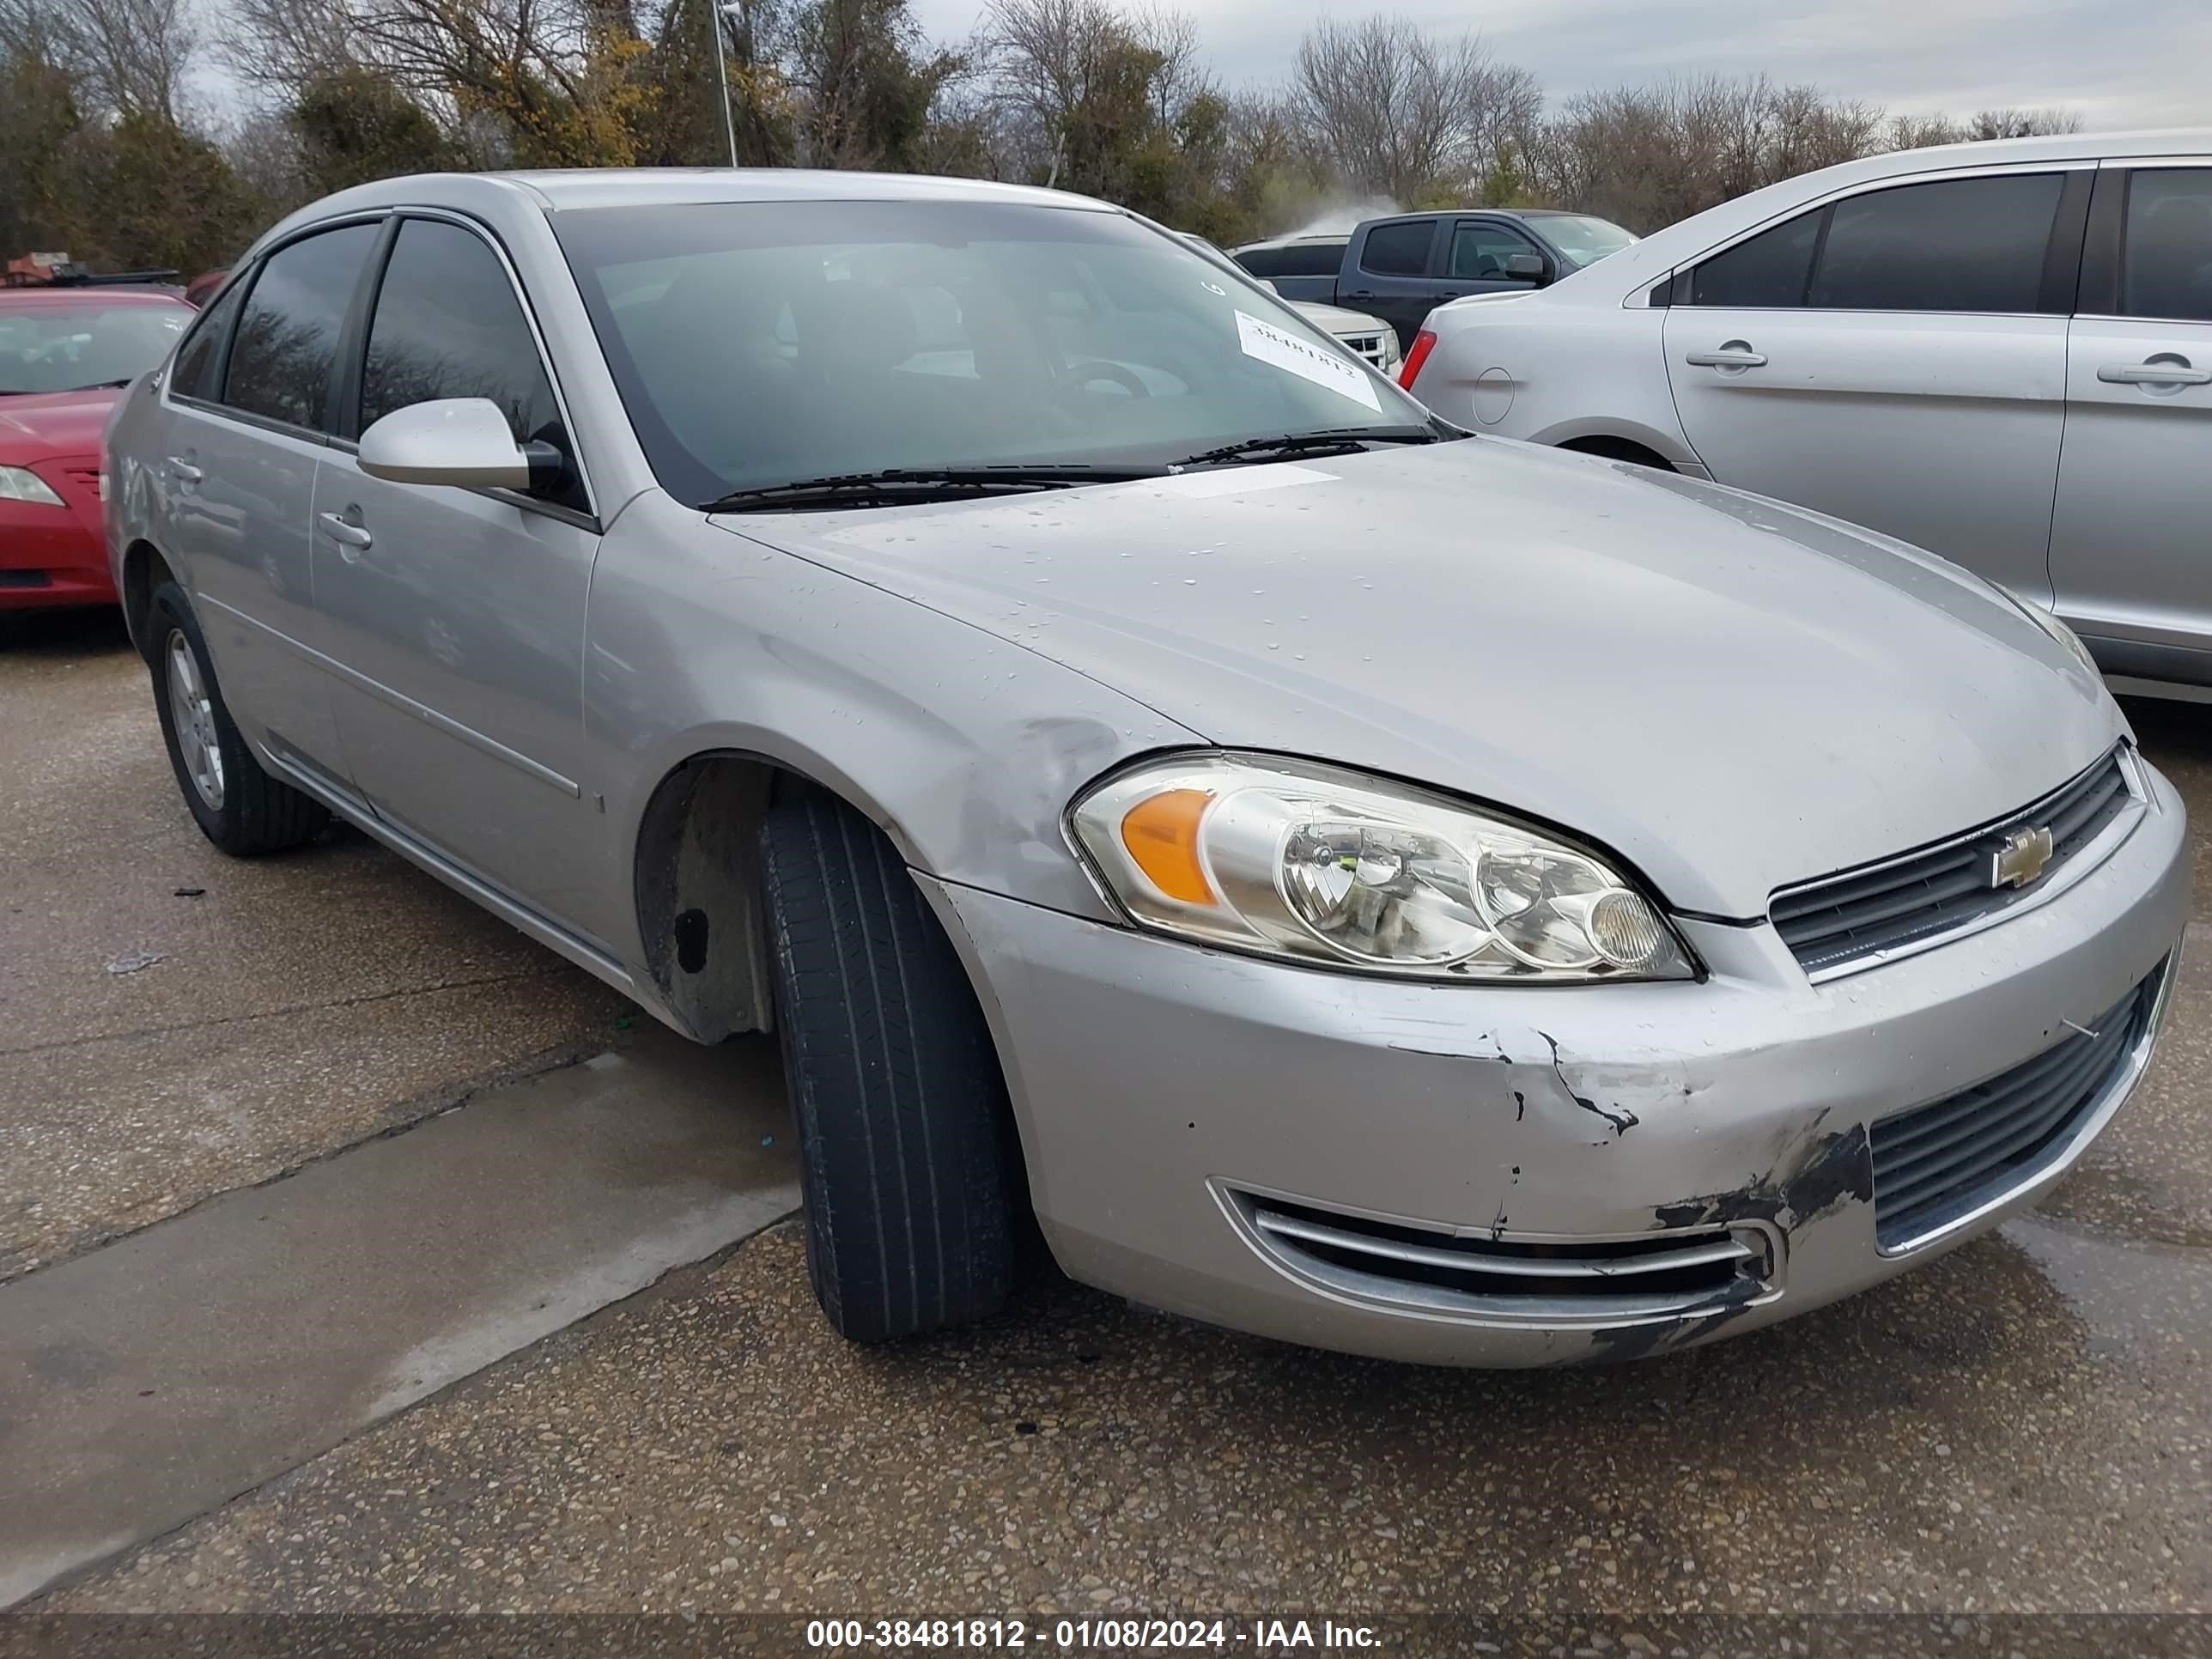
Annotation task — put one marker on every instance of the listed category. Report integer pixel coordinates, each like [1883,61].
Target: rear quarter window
[1399,250]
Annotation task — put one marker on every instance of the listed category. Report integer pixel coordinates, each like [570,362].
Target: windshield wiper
[103,386]
[898,484]
[1335,440]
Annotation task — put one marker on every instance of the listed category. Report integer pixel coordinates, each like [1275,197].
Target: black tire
[893,1078]
[248,812]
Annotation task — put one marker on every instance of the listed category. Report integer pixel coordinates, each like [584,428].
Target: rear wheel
[893,1078]
[237,805]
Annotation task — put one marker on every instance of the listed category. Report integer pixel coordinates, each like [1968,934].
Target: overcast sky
[2119,63]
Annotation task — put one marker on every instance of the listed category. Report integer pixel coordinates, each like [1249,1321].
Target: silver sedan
[1384,889]
[2001,352]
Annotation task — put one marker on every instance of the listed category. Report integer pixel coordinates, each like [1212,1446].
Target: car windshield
[763,343]
[1583,239]
[46,346]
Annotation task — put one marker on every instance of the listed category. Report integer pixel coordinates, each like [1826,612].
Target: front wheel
[893,1078]
[237,805]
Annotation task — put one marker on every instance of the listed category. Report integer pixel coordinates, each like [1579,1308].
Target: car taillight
[1424,343]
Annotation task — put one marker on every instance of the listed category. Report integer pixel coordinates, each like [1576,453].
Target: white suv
[2001,352]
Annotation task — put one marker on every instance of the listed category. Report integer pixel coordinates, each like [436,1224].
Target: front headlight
[17,484]
[2058,630]
[1323,866]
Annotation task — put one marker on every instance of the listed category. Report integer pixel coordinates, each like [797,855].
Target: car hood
[39,426]
[1731,694]
[1335,319]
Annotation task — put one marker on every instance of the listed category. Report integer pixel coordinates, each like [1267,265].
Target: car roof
[76,293]
[561,190]
[1302,239]
[1641,263]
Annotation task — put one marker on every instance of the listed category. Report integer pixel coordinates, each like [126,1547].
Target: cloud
[2114,62]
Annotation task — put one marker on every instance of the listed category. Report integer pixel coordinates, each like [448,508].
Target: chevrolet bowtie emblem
[2021,858]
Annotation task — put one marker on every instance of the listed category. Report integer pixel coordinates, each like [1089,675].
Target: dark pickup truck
[1402,268]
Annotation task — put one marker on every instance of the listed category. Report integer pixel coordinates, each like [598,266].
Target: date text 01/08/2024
[1258,1637]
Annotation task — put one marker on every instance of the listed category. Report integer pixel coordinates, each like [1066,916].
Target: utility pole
[716,10]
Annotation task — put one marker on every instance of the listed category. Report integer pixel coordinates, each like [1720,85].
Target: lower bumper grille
[1943,1160]
[24,579]
[1440,1270]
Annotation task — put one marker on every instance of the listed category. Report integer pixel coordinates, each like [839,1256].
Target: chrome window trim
[1896,181]
[484,234]
[588,519]
[2145,164]
[2101,846]
[251,268]
[2060,1156]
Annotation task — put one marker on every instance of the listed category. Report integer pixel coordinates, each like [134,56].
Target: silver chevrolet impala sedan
[1384,889]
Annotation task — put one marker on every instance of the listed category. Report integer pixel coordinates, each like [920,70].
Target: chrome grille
[1367,346]
[1860,915]
[1940,1160]
[1439,1269]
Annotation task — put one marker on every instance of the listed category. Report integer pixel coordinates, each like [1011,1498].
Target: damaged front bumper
[1517,1176]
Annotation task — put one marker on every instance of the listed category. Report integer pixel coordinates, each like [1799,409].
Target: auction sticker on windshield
[1309,361]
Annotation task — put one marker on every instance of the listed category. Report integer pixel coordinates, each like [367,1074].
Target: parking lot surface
[2023,1426]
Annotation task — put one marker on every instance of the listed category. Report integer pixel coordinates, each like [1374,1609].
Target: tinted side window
[448,325]
[1310,259]
[1480,250]
[1262,261]
[1955,245]
[194,375]
[1400,250]
[282,360]
[2165,259]
[1768,271]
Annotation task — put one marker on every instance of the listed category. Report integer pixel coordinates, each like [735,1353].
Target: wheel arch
[144,570]
[695,880]
[1613,448]
[1582,432]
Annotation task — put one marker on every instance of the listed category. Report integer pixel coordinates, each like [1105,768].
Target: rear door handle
[2158,371]
[1732,355]
[183,471]
[347,534]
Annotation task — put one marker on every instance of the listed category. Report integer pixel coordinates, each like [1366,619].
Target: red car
[65,355]
[202,288]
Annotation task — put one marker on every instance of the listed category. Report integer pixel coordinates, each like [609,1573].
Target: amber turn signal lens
[1161,833]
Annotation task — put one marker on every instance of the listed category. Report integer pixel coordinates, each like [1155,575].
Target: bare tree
[1048,57]
[1393,108]
[284,46]
[123,57]
[2047,122]
[1650,156]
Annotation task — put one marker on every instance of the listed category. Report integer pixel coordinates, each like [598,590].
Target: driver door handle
[183,471]
[1727,357]
[2174,372]
[351,536]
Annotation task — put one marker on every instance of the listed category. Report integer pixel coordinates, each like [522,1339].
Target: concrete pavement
[149,1381]
[2021,1426]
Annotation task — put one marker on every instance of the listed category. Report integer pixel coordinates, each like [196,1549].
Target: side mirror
[1525,267]
[1271,287]
[461,441]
